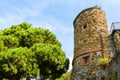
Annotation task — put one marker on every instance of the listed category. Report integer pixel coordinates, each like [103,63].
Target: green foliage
[103,61]
[19,61]
[2,47]
[10,41]
[65,76]
[28,36]
[16,28]
[37,35]
[58,73]
[30,52]
[50,58]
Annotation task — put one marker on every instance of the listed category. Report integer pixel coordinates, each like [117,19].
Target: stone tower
[90,43]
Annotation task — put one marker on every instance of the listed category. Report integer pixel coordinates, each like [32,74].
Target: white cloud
[70,65]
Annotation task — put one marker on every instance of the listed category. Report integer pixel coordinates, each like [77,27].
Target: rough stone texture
[117,41]
[96,32]
[91,42]
[87,71]
[113,68]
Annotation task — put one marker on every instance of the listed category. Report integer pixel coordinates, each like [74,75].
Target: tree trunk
[1,78]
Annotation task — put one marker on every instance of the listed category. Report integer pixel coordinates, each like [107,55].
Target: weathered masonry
[113,68]
[92,41]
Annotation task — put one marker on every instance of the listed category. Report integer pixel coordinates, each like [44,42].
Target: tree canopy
[27,51]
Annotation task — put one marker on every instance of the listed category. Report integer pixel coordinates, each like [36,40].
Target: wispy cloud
[16,14]
[9,19]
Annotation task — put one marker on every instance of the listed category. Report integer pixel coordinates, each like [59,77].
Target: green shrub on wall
[103,61]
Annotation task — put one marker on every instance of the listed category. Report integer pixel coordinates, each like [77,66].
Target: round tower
[90,41]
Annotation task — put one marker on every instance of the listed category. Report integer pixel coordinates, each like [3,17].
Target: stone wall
[91,42]
[90,30]
[116,38]
[88,26]
[113,68]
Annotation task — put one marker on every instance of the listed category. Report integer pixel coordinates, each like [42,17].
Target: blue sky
[56,15]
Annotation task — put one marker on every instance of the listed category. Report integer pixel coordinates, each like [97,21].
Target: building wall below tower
[89,71]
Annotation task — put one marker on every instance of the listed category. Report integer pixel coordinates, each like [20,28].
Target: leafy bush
[65,76]
[103,61]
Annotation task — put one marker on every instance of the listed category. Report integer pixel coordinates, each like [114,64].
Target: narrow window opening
[85,26]
[86,59]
